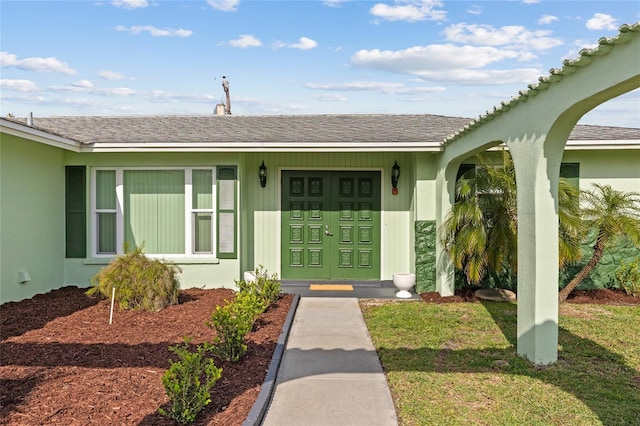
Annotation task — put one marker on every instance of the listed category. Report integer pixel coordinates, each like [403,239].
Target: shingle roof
[259,128]
[366,128]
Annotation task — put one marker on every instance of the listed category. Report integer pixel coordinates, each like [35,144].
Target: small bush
[628,275]
[232,322]
[187,382]
[265,286]
[140,282]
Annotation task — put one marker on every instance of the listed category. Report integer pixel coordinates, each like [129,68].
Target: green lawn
[456,364]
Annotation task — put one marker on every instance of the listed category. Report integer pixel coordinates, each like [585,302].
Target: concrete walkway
[330,373]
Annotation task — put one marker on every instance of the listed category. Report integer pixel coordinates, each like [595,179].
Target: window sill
[176,260]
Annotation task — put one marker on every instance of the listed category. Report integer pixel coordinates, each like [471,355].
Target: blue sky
[456,58]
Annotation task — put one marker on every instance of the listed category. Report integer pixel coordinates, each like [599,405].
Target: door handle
[327,232]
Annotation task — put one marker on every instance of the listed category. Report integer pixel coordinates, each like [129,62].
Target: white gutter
[573,145]
[264,146]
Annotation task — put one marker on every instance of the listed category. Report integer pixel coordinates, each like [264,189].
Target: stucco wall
[31,217]
[620,168]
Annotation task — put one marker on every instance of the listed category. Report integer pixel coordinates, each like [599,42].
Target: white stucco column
[537,172]
[445,196]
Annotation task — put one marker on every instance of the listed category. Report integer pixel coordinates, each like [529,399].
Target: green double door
[330,225]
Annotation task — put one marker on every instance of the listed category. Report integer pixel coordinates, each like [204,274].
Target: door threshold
[354,283]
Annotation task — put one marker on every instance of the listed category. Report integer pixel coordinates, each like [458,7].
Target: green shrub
[140,282]
[251,304]
[628,275]
[232,322]
[265,286]
[187,382]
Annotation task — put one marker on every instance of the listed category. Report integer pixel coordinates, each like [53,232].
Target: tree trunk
[598,251]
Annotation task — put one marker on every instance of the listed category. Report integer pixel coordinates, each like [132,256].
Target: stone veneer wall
[425,247]
[603,276]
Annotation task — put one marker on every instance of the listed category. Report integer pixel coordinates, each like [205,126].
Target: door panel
[330,225]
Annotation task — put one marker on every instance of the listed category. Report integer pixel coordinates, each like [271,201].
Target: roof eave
[574,145]
[263,147]
[27,132]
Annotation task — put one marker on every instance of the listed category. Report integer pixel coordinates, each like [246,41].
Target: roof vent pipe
[30,120]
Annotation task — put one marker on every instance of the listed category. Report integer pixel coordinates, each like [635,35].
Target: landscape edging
[259,409]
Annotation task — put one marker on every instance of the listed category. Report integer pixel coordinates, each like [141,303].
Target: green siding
[260,208]
[154,212]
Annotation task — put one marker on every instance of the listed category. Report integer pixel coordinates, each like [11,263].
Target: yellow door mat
[331,287]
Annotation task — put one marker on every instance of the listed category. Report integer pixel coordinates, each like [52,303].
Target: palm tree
[480,232]
[614,214]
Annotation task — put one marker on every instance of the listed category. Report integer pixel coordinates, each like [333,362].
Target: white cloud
[19,85]
[475,77]
[84,84]
[35,64]
[512,36]
[304,43]
[155,32]
[130,4]
[373,86]
[224,5]
[160,96]
[410,10]
[334,3]
[116,91]
[448,63]
[245,40]
[329,97]
[547,19]
[357,86]
[432,57]
[601,21]
[113,75]
[475,9]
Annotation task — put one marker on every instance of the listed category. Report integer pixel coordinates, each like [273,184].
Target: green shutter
[227,212]
[75,212]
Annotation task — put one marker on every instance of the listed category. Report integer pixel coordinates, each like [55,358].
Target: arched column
[536,126]
[445,196]
[537,161]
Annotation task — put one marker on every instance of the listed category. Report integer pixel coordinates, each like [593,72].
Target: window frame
[189,212]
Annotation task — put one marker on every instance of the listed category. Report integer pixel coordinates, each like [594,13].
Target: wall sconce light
[395,174]
[23,277]
[262,174]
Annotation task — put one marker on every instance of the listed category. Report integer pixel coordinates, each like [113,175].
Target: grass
[456,364]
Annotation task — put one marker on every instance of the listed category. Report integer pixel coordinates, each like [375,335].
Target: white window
[169,212]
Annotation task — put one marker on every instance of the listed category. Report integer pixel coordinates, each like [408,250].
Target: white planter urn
[404,282]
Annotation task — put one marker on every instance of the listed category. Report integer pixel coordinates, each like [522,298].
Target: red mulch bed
[61,363]
[595,297]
